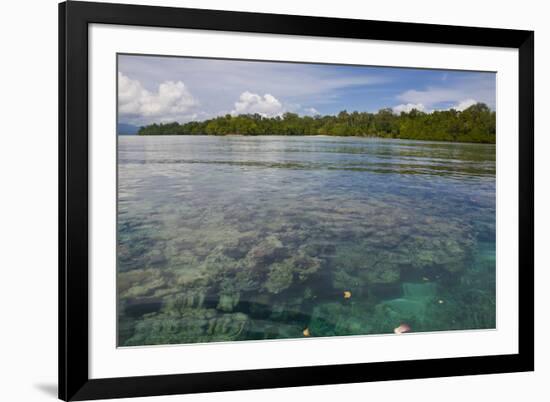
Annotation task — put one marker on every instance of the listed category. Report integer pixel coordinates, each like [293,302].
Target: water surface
[239,238]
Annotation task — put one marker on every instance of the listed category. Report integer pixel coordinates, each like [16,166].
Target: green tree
[474,124]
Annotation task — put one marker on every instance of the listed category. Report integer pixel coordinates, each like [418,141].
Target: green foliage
[475,124]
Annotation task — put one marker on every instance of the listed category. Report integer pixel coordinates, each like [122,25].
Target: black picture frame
[74,18]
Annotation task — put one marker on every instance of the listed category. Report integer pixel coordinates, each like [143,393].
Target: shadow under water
[247,238]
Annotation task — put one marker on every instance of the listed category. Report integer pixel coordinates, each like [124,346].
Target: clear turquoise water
[240,238]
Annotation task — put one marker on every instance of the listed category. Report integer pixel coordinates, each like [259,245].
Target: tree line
[474,124]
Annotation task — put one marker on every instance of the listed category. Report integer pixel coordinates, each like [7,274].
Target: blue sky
[165,89]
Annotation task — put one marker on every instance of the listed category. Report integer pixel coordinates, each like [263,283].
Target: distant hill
[126,129]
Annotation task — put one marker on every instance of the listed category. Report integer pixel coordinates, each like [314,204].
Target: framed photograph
[257,201]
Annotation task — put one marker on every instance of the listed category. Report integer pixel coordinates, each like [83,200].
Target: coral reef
[193,325]
[201,258]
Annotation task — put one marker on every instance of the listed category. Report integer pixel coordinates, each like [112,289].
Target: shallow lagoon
[239,238]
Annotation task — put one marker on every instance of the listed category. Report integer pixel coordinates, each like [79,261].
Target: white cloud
[218,83]
[430,96]
[407,107]
[465,104]
[129,94]
[458,94]
[172,101]
[249,103]
[311,111]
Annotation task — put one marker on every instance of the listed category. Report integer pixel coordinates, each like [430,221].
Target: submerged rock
[228,301]
[193,326]
[282,275]
[267,252]
[395,249]
[140,283]
[381,272]
[188,299]
[279,278]
[364,265]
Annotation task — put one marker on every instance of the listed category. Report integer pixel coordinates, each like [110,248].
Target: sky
[155,89]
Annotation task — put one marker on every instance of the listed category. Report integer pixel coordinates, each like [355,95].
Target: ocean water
[248,238]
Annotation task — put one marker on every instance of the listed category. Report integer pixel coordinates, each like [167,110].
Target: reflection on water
[240,238]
